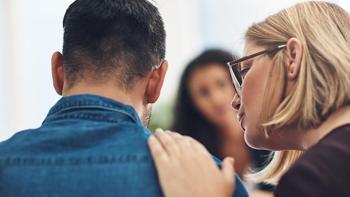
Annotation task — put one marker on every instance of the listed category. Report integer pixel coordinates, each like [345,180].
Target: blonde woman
[295,98]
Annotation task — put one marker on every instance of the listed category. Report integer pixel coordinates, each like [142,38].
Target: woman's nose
[236,102]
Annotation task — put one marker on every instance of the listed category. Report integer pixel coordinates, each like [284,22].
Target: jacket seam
[73,161]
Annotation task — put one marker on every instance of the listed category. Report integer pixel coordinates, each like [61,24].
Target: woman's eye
[243,72]
[222,83]
[203,92]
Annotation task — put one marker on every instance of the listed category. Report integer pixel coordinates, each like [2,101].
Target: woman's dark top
[323,170]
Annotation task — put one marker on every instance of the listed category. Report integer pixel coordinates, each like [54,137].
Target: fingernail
[231,160]
[151,138]
[159,130]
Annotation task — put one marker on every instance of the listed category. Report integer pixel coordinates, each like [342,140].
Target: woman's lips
[240,117]
[240,120]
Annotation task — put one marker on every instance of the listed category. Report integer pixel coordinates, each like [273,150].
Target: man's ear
[155,83]
[294,52]
[57,70]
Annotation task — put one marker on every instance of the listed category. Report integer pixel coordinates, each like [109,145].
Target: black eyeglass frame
[231,64]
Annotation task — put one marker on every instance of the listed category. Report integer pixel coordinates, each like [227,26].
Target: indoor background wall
[30,31]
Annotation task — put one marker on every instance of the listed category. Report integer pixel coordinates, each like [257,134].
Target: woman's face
[211,90]
[253,92]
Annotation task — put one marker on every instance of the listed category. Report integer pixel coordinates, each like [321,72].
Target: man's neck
[132,98]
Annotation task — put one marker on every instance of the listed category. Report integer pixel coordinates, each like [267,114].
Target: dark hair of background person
[188,120]
[122,39]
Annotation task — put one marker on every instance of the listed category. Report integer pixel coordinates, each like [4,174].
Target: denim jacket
[87,146]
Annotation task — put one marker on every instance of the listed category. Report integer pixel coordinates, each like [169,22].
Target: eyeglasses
[238,73]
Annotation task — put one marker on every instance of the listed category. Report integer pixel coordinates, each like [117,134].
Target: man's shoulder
[104,160]
[99,144]
[14,142]
[83,139]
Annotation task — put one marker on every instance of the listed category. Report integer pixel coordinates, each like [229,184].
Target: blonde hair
[323,84]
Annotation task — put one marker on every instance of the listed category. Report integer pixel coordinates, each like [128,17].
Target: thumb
[227,169]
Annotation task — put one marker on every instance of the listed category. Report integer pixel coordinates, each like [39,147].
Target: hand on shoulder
[185,168]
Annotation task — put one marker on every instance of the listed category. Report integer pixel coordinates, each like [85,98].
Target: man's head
[114,42]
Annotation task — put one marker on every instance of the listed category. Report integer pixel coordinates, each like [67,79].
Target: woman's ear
[155,83]
[294,52]
[57,71]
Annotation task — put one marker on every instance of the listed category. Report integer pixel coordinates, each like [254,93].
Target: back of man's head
[112,39]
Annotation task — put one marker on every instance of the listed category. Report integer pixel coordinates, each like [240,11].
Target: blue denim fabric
[87,146]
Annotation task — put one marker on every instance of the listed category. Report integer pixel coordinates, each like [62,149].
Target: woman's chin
[254,141]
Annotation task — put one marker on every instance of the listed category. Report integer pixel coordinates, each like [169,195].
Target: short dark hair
[123,39]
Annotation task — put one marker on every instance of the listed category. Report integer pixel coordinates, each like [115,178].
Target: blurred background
[30,31]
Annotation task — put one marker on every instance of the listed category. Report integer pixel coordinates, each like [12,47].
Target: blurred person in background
[203,111]
[294,99]
[203,108]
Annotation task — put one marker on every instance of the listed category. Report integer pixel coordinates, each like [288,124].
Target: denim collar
[88,101]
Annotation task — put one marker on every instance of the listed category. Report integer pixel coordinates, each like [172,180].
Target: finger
[177,137]
[168,143]
[227,168]
[175,134]
[183,142]
[189,141]
[158,130]
[157,151]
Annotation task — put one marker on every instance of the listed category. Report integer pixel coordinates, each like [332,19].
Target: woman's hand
[185,168]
